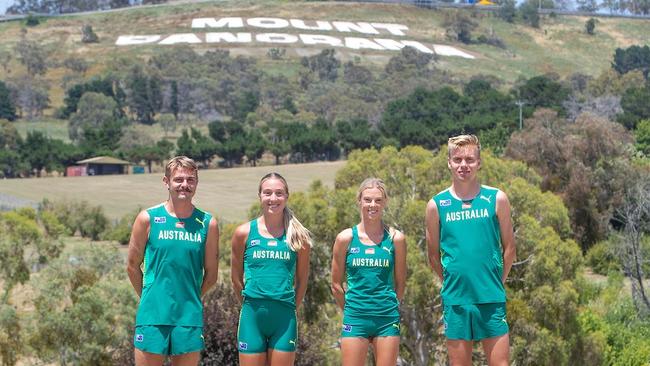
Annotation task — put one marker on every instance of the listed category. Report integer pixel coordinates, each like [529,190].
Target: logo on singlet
[243,346]
[354,250]
[139,338]
[202,222]
[347,328]
[160,220]
[180,224]
[370,251]
[445,202]
[386,249]
[255,242]
[488,198]
[272,243]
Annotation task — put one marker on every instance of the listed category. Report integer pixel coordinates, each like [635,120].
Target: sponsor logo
[347,328]
[160,220]
[272,243]
[243,346]
[255,242]
[386,249]
[370,251]
[488,198]
[139,337]
[291,341]
[504,320]
[354,250]
[445,202]
[180,224]
[396,325]
[202,222]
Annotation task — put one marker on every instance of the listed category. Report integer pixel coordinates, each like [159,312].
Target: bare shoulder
[502,197]
[344,236]
[242,231]
[399,236]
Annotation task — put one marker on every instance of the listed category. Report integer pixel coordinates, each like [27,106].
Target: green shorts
[267,324]
[370,326]
[475,321]
[168,339]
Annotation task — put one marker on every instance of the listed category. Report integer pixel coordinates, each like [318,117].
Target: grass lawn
[227,193]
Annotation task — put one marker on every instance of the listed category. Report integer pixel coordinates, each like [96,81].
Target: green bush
[601,260]
[121,230]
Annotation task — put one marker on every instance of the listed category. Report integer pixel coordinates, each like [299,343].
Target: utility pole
[520,103]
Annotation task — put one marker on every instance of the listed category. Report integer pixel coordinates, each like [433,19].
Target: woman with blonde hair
[270,267]
[373,258]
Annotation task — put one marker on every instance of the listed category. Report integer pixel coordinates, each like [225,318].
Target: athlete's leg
[252,359]
[280,358]
[460,352]
[354,351]
[143,358]
[386,350]
[497,350]
[186,359]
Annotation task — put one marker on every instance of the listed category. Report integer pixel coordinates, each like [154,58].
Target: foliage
[144,94]
[642,134]
[543,92]
[106,86]
[88,35]
[84,307]
[196,146]
[601,259]
[587,162]
[31,55]
[120,231]
[528,13]
[7,107]
[590,26]
[635,106]
[632,58]
[459,26]
[324,64]
[507,11]
[77,217]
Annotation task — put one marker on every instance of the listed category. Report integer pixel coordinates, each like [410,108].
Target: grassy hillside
[228,193]
[560,45]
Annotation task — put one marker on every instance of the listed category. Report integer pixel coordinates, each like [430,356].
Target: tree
[77,65]
[31,96]
[145,95]
[635,106]
[255,147]
[589,6]
[590,26]
[96,126]
[7,108]
[542,91]
[634,215]
[528,12]
[325,64]
[355,134]
[642,134]
[31,55]
[88,35]
[356,74]
[459,26]
[632,58]
[106,86]
[507,11]
[196,146]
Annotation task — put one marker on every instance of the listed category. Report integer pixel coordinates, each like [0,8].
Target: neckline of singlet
[176,217]
[355,234]
[469,200]
[257,231]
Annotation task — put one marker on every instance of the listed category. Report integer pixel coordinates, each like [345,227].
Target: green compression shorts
[267,324]
[168,339]
[476,321]
[370,326]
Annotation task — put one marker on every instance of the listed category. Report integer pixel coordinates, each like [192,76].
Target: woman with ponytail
[370,258]
[270,266]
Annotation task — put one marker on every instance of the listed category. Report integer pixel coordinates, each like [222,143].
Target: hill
[559,46]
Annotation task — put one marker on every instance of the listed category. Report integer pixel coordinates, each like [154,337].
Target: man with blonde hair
[471,247]
[172,262]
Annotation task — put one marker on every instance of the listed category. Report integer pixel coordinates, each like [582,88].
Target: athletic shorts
[370,326]
[267,324]
[476,321]
[168,339]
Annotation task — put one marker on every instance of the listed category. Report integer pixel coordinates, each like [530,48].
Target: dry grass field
[227,193]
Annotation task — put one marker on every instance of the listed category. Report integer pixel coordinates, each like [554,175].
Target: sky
[4,4]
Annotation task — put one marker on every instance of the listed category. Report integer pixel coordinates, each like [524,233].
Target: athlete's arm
[237,259]
[433,237]
[338,265]
[507,234]
[211,260]
[302,274]
[137,244]
[399,242]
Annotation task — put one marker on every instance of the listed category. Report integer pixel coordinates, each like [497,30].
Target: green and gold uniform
[268,314]
[473,295]
[170,314]
[371,306]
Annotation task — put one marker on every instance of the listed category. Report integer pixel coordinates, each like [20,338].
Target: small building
[100,165]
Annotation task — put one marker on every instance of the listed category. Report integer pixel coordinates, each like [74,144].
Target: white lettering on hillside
[354,43]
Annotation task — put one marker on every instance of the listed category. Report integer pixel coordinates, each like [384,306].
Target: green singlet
[173,269]
[369,268]
[269,268]
[470,248]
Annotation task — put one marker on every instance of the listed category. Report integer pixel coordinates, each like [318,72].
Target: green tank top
[269,268]
[369,269]
[173,269]
[470,249]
